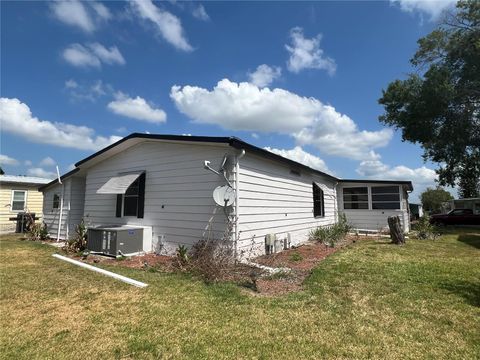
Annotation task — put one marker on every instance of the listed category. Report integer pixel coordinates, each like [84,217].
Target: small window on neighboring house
[385,197]
[18,200]
[355,198]
[56,201]
[318,201]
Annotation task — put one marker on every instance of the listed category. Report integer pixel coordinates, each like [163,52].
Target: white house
[165,183]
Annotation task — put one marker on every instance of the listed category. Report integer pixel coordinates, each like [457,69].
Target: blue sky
[301,78]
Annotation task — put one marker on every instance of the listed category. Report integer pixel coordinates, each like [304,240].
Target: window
[18,200]
[355,198]
[130,200]
[318,201]
[134,199]
[385,197]
[56,201]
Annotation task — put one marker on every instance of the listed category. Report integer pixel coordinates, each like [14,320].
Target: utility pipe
[61,205]
[101,271]
[237,191]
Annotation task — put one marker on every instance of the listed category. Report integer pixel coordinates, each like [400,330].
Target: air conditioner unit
[119,240]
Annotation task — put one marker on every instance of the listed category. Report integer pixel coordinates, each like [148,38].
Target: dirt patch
[159,262]
[301,260]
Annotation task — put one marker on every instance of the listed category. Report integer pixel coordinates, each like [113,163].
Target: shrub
[331,235]
[211,258]
[182,255]
[425,230]
[296,257]
[37,232]
[79,241]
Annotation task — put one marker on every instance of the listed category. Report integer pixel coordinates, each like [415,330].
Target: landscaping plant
[79,241]
[333,234]
[425,230]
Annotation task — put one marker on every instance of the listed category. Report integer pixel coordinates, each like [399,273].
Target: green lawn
[370,300]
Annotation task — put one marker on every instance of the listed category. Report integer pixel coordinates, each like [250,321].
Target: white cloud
[92,55]
[87,91]
[48,161]
[84,15]
[421,177]
[16,118]
[7,160]
[244,106]
[101,10]
[376,169]
[39,172]
[28,163]
[264,75]
[432,8]
[71,84]
[255,136]
[136,108]
[168,25]
[299,155]
[73,13]
[307,54]
[200,13]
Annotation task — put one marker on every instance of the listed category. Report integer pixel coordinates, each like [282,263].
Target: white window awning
[119,184]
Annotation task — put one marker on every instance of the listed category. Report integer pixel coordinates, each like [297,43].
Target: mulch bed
[159,262]
[300,261]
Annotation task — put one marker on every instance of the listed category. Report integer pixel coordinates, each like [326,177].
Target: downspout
[237,205]
[61,206]
[336,202]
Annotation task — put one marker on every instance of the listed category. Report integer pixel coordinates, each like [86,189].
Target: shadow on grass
[470,291]
[470,239]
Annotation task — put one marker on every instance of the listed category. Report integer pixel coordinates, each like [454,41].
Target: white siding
[51,216]
[178,190]
[73,201]
[76,204]
[373,220]
[272,200]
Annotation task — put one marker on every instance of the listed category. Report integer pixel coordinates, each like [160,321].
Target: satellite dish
[224,195]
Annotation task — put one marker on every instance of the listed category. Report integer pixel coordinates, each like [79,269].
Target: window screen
[56,201]
[130,202]
[355,198]
[385,197]
[18,200]
[318,201]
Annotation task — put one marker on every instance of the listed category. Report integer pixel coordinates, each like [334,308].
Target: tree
[438,107]
[432,199]
[1,171]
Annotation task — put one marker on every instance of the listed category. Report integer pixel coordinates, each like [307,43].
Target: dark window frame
[384,192]
[354,193]
[318,201]
[135,194]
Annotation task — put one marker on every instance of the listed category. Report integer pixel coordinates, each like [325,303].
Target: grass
[370,300]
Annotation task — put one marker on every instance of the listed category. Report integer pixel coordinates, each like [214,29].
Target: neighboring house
[466,203]
[416,211]
[19,194]
[162,182]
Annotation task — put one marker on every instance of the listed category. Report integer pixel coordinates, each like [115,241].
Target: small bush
[211,258]
[425,230]
[79,241]
[296,257]
[182,255]
[331,235]
[37,232]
